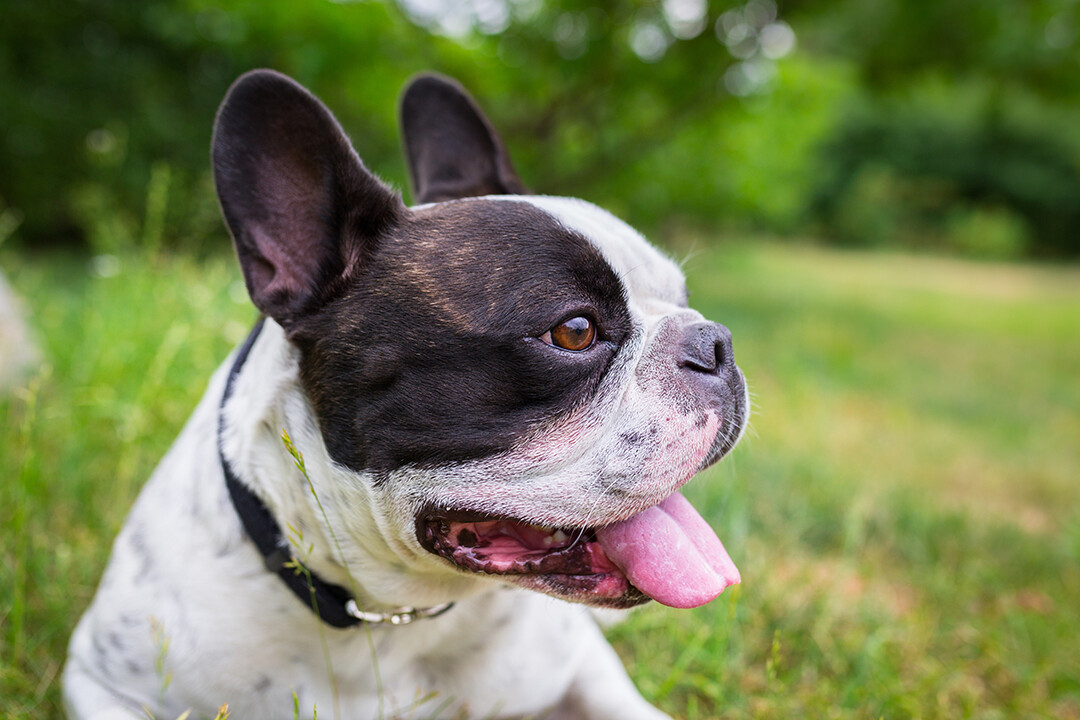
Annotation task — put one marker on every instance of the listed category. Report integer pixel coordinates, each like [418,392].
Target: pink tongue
[671,554]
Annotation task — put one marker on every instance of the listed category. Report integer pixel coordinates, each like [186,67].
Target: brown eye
[575,334]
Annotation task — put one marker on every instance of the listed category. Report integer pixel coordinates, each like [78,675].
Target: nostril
[706,347]
[699,350]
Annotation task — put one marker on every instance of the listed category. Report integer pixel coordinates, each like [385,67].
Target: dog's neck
[333,520]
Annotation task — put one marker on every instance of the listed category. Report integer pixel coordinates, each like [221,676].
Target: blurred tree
[99,91]
[968,103]
[692,110]
[1031,44]
[96,92]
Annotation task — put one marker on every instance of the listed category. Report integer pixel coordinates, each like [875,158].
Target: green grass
[905,509]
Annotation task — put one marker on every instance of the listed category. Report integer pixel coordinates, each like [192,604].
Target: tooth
[559,536]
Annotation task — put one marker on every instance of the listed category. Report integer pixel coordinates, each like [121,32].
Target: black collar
[333,604]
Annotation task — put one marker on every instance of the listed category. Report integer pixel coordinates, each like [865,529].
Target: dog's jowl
[495,396]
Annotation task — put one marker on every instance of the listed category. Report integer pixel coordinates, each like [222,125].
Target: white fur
[187,617]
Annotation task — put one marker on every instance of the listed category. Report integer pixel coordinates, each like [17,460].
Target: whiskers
[585,525]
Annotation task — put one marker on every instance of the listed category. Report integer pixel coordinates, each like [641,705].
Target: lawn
[905,509]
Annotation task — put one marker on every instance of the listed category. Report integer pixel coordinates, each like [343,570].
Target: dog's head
[518,375]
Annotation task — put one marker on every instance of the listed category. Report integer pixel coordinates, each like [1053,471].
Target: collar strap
[333,604]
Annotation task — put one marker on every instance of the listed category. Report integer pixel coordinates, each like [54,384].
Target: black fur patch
[432,355]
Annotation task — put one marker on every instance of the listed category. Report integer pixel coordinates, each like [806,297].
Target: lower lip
[604,589]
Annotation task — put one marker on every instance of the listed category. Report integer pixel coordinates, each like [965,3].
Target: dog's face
[517,379]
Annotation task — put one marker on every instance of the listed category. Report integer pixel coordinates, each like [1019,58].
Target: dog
[450,420]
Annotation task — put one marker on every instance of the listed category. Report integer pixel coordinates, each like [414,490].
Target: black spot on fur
[137,543]
[99,647]
[613,489]
[101,655]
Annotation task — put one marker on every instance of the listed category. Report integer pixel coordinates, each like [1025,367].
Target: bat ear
[452,149]
[303,211]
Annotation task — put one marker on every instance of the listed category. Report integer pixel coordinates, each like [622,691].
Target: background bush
[867,123]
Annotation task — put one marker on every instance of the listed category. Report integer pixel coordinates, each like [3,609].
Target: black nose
[706,347]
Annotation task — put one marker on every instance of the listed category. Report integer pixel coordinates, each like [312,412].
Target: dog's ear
[304,212]
[453,150]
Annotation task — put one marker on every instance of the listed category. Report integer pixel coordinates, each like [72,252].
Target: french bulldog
[455,428]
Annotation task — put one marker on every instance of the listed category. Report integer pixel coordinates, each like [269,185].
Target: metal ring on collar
[401,616]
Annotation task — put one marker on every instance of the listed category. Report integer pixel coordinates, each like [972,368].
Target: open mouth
[667,552]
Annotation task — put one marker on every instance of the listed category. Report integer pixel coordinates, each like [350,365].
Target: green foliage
[101,93]
[107,98]
[965,109]
[905,169]
[988,232]
[671,113]
[1030,45]
[747,163]
[903,509]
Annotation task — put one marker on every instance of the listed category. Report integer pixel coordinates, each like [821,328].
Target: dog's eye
[575,334]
